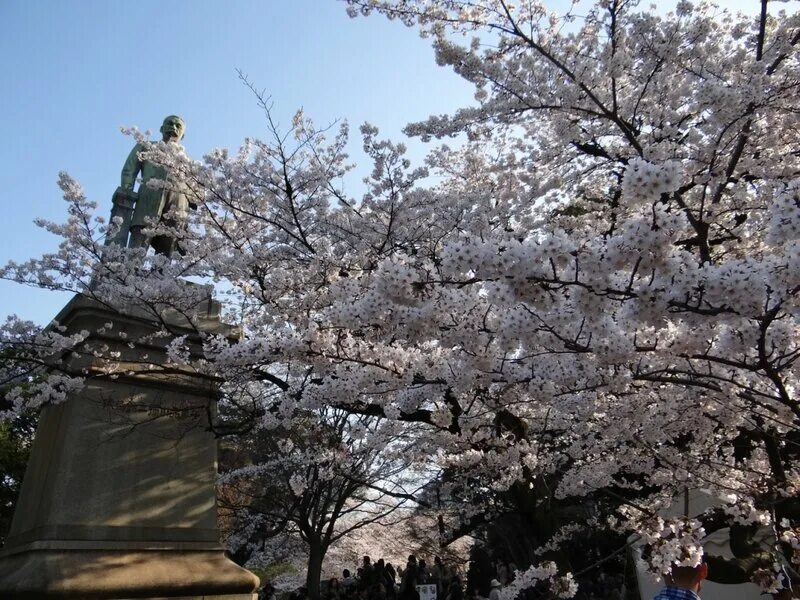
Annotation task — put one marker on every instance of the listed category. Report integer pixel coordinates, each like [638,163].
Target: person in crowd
[365,578]
[376,579]
[384,578]
[347,585]
[391,575]
[423,575]
[347,579]
[454,589]
[335,590]
[379,592]
[494,593]
[683,583]
[439,577]
[408,584]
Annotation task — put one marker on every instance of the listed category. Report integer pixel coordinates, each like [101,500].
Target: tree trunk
[316,554]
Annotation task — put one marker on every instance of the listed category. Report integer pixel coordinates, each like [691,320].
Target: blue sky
[75,72]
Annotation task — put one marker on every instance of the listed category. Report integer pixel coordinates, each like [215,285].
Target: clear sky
[75,72]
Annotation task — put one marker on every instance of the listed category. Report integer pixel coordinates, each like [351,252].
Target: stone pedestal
[118,499]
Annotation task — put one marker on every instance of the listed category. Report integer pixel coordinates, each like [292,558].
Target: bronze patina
[166,201]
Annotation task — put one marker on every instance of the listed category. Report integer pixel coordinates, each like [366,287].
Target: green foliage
[16,437]
[270,572]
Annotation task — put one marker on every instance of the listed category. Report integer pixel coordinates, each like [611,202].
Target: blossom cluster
[645,182]
[791,536]
[672,542]
[547,574]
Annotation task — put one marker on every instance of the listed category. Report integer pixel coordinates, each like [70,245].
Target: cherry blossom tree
[598,297]
[327,477]
[590,136]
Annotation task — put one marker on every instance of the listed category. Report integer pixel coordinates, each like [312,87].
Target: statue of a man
[167,201]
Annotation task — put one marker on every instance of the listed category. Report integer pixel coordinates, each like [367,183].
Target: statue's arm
[131,169]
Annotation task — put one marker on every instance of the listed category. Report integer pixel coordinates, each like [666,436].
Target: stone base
[118,496]
[120,574]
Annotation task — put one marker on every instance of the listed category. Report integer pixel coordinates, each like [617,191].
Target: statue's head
[173,128]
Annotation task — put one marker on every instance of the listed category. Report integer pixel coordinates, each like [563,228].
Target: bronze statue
[164,202]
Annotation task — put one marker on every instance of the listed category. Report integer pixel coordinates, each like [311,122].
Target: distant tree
[23,376]
[329,476]
[16,437]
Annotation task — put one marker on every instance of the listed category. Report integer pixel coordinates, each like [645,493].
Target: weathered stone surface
[124,574]
[118,498]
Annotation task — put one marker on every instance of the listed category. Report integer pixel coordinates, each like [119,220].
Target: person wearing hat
[494,593]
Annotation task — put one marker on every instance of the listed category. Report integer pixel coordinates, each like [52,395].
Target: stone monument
[118,500]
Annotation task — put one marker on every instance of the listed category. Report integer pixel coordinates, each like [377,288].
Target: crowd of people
[382,581]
